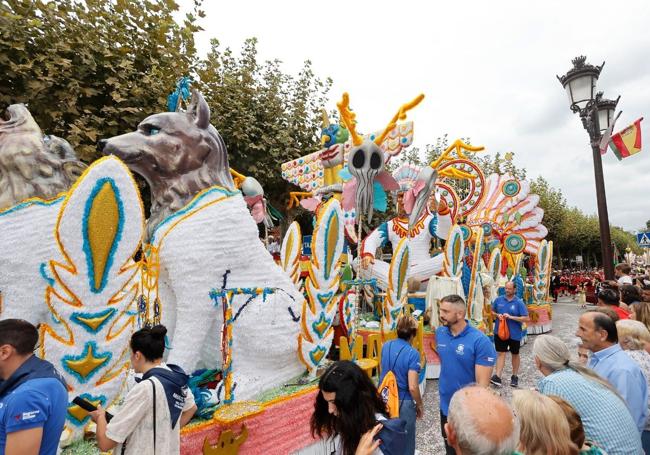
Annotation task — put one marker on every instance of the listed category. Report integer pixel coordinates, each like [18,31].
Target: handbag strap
[395,361]
[153,385]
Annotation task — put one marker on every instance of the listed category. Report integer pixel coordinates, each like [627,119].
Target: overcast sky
[487,69]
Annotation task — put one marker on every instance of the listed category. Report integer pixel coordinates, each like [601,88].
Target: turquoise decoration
[519,285]
[85,234]
[182,93]
[90,352]
[467,232]
[324,299]
[487,229]
[345,174]
[321,325]
[317,355]
[466,277]
[514,243]
[189,208]
[511,188]
[381,200]
[93,322]
[29,203]
[433,225]
[42,269]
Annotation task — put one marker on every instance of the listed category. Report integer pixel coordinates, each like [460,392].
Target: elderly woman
[641,312]
[605,416]
[544,428]
[634,337]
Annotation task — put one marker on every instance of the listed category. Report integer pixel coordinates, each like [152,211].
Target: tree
[265,116]
[97,68]
[553,203]
[92,69]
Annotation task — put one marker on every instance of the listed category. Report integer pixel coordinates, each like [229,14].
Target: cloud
[487,68]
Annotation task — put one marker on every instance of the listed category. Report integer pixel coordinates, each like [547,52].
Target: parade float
[78,258]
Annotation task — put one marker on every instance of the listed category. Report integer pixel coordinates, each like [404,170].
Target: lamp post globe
[596,114]
[580,83]
[606,109]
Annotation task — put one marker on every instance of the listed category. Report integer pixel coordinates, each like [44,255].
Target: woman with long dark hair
[347,407]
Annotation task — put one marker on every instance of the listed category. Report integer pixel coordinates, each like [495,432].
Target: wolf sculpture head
[178,154]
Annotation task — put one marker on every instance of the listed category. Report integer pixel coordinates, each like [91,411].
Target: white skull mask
[365,162]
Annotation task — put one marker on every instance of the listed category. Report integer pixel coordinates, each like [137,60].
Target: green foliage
[265,116]
[96,68]
[82,447]
[554,205]
[92,69]
[500,164]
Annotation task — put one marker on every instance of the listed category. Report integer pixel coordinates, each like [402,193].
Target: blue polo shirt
[459,356]
[35,403]
[400,357]
[514,307]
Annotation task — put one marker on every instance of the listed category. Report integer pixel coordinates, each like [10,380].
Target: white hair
[554,354]
[470,439]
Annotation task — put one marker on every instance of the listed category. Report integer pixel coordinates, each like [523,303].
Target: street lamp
[597,115]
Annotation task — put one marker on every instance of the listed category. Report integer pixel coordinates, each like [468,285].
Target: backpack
[393,436]
[389,392]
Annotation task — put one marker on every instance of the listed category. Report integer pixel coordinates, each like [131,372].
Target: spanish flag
[627,142]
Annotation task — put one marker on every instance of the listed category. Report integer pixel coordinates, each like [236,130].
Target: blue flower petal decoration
[345,174]
[381,200]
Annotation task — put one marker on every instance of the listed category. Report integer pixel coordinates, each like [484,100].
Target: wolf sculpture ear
[200,110]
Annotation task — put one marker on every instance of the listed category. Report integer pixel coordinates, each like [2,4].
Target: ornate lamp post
[596,114]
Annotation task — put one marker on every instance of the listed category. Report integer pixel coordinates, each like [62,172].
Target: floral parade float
[487,224]
[255,334]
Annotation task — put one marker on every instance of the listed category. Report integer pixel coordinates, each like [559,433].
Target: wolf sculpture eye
[153,131]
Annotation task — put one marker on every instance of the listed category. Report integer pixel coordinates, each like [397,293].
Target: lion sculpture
[30,166]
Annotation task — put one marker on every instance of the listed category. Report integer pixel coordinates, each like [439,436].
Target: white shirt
[625,279]
[133,421]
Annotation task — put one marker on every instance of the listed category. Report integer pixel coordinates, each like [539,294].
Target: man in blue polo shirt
[466,355]
[33,395]
[511,310]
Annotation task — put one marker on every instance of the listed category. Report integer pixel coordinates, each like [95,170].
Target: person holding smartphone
[155,409]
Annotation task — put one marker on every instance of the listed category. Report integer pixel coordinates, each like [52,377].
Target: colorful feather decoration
[93,298]
[321,287]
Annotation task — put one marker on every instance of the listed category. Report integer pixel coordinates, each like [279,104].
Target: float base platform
[277,427]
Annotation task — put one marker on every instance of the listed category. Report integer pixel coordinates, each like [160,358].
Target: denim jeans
[407,413]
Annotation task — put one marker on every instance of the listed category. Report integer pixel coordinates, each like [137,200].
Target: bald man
[481,422]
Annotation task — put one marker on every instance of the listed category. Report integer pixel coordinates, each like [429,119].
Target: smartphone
[88,406]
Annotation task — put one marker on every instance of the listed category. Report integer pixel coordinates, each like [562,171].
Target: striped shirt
[605,417]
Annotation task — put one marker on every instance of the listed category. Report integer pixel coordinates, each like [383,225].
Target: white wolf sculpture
[202,237]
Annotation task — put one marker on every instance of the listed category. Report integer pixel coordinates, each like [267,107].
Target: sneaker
[514,381]
[496,380]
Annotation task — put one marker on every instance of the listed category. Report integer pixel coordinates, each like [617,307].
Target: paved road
[565,321]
